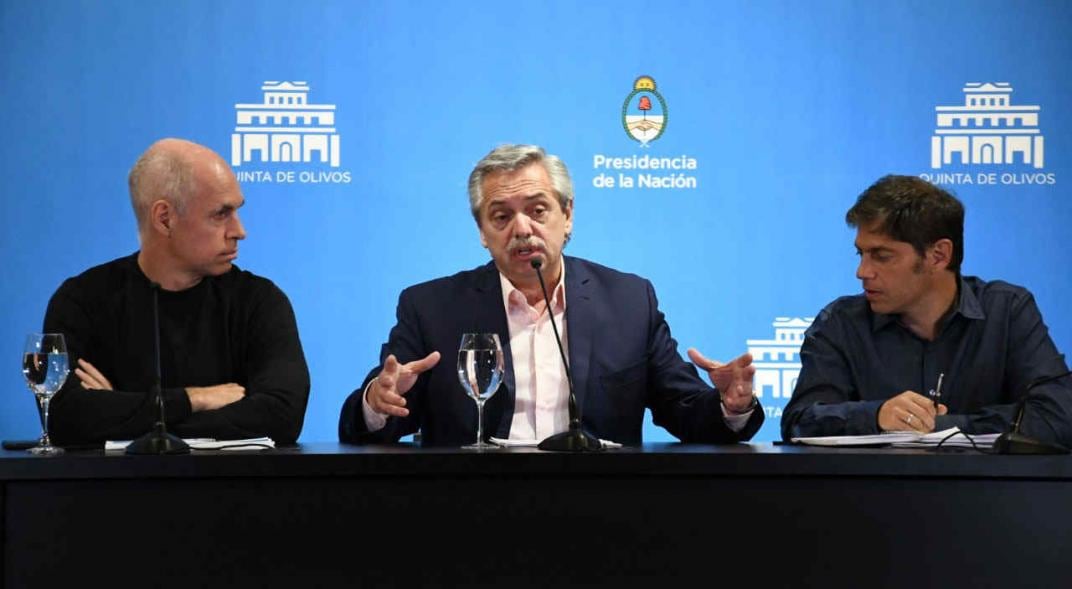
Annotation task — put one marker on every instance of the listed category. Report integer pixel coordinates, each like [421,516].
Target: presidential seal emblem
[644,112]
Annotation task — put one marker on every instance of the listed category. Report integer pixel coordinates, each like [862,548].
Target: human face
[892,273]
[521,220]
[204,237]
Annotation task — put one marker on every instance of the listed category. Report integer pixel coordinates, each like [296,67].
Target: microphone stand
[1014,442]
[157,440]
[574,439]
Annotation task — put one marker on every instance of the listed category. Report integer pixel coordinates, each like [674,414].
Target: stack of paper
[533,443]
[956,437]
[208,444]
[882,439]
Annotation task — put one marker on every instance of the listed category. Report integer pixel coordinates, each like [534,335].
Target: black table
[335,515]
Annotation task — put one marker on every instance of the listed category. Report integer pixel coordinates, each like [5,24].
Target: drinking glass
[44,364]
[480,369]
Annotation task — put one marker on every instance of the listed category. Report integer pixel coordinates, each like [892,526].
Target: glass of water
[480,370]
[44,364]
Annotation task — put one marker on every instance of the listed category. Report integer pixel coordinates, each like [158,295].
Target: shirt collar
[968,305]
[558,294]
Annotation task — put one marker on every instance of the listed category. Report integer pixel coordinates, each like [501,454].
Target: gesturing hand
[395,380]
[733,380]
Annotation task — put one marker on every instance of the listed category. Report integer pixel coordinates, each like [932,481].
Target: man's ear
[941,254]
[161,217]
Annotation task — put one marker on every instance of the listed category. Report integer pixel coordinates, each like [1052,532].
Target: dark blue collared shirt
[990,348]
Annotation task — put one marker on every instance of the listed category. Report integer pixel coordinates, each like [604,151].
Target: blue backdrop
[776,114]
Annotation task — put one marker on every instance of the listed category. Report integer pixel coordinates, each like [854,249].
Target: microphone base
[1017,443]
[158,441]
[572,440]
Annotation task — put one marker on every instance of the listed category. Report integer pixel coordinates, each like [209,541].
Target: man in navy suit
[621,356]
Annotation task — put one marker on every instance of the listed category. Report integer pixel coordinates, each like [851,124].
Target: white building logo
[286,129]
[777,362]
[987,129]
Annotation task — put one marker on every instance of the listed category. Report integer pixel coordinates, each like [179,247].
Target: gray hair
[159,173]
[508,158]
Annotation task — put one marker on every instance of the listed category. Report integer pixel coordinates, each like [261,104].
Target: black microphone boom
[574,439]
[1014,442]
[157,440]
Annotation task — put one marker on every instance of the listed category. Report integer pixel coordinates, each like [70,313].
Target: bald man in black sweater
[231,360]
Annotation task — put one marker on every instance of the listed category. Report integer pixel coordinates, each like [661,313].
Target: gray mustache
[526,243]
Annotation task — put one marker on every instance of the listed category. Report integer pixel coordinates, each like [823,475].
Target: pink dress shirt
[541,389]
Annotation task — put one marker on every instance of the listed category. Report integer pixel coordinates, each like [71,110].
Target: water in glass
[480,370]
[44,365]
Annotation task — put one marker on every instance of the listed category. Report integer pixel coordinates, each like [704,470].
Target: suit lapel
[579,327]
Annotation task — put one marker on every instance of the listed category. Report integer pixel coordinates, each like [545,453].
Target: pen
[936,392]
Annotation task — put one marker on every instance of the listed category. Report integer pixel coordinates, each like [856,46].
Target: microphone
[157,440]
[574,439]
[1014,442]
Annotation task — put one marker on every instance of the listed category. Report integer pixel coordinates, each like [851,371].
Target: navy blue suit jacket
[621,355]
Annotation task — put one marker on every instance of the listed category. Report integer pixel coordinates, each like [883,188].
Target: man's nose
[522,225]
[238,231]
[863,270]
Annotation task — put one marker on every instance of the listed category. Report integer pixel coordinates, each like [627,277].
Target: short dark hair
[912,210]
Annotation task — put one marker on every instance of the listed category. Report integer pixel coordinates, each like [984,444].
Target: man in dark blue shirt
[871,362]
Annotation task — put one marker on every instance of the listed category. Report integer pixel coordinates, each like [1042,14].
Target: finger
[391,397]
[393,410]
[926,422]
[903,419]
[89,368]
[92,371]
[921,405]
[942,409]
[390,403]
[702,361]
[920,418]
[915,421]
[419,366]
[88,382]
[391,365]
[743,375]
[743,360]
[385,383]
